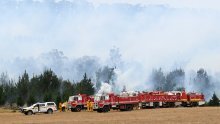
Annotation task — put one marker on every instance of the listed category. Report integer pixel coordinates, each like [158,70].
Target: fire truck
[123,102]
[194,99]
[77,103]
[158,99]
[127,102]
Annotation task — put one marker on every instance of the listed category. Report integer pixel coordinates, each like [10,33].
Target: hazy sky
[151,33]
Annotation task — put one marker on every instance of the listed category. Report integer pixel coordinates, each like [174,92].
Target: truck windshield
[105,97]
[102,97]
[34,105]
[97,98]
[71,98]
[75,98]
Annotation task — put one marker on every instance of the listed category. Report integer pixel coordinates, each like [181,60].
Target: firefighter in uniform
[91,106]
[60,106]
[64,107]
[88,105]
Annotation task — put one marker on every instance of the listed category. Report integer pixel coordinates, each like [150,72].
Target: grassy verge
[6,110]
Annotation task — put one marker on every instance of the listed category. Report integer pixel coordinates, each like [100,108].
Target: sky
[148,33]
[195,4]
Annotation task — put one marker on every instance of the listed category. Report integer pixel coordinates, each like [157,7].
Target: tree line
[41,88]
[174,80]
[47,86]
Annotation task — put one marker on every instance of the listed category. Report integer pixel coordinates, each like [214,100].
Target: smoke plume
[104,89]
[147,35]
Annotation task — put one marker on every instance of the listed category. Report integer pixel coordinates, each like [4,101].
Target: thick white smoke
[105,89]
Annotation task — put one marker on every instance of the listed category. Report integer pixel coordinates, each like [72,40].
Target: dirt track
[202,115]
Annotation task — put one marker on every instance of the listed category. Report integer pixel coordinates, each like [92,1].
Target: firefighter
[88,105]
[91,106]
[64,107]
[60,106]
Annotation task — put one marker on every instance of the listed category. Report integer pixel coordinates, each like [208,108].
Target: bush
[214,101]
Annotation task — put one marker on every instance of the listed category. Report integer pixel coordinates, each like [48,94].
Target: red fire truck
[158,99]
[194,99]
[77,103]
[123,102]
[105,102]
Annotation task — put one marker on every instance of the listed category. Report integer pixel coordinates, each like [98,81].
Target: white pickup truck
[47,107]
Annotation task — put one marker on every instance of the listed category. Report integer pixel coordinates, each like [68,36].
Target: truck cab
[195,99]
[104,102]
[77,103]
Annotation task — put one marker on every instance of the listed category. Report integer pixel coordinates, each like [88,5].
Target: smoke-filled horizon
[114,73]
[144,35]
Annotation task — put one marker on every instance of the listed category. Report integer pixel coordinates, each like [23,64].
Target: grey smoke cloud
[149,36]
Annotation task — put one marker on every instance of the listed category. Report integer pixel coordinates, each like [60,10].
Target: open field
[198,115]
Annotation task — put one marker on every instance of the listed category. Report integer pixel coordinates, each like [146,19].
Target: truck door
[35,108]
[43,108]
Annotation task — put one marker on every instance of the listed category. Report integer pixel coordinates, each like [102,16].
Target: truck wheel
[49,111]
[184,104]
[78,108]
[29,113]
[105,109]
[194,104]
[129,107]
[73,110]
[99,110]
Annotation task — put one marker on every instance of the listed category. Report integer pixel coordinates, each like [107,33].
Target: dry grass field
[198,115]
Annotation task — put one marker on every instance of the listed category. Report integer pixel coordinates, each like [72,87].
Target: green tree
[58,99]
[4,80]
[48,97]
[20,101]
[202,83]
[49,85]
[31,100]
[158,79]
[49,81]
[22,88]
[174,80]
[85,86]
[35,88]
[10,92]
[2,95]
[214,101]
[67,89]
